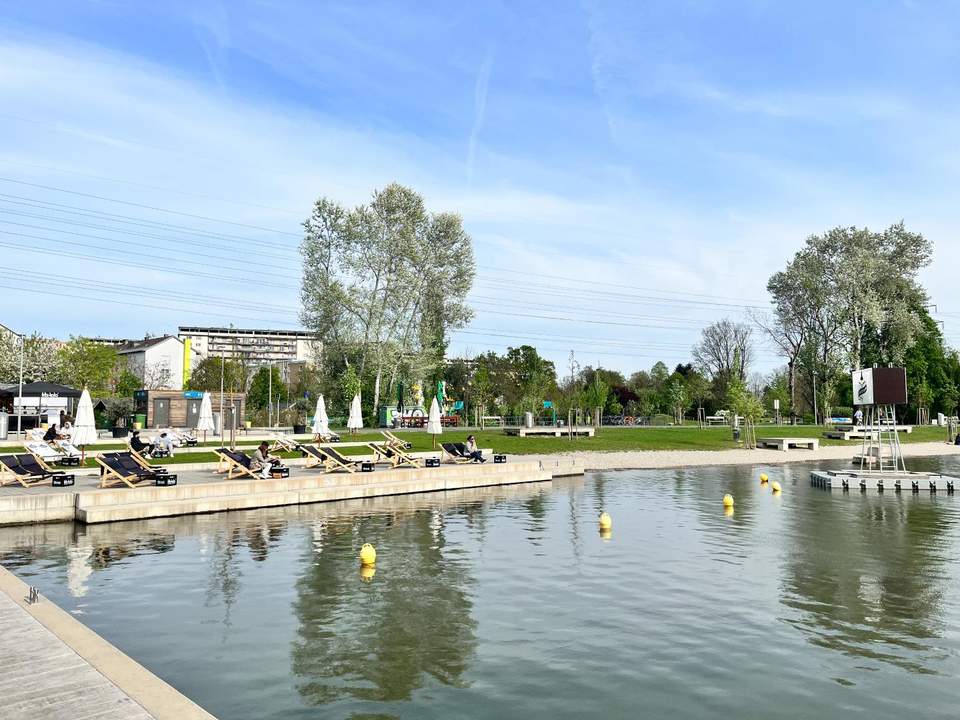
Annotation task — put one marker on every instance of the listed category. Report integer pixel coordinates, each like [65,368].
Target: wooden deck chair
[140,461]
[12,471]
[38,468]
[329,458]
[283,443]
[396,442]
[240,464]
[44,453]
[187,439]
[71,454]
[114,473]
[384,452]
[455,453]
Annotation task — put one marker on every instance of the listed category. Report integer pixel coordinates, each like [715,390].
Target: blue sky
[647,165]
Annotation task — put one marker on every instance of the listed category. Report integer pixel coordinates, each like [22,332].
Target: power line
[114,217]
[74,222]
[141,263]
[147,207]
[134,183]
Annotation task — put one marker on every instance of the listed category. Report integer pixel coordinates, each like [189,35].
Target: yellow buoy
[763,478]
[606,534]
[775,486]
[368,555]
[728,500]
[728,511]
[606,522]
[367,572]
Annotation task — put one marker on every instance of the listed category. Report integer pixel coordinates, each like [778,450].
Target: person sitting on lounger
[139,446]
[472,451]
[165,443]
[262,460]
[51,434]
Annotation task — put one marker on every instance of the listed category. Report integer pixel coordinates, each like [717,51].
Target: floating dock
[201,491]
[897,482]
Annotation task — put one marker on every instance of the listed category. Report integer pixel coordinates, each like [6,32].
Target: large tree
[88,363]
[384,283]
[41,360]
[207,373]
[725,350]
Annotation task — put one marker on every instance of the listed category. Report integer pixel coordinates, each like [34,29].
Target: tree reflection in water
[867,575]
[384,639]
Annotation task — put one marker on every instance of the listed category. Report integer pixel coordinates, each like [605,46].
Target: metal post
[816,410]
[20,391]
[222,418]
[270,394]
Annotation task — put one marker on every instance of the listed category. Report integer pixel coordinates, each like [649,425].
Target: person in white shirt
[165,443]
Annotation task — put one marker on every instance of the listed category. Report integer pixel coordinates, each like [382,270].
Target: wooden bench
[785,443]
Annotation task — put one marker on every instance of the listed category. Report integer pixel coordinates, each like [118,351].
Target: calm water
[508,603]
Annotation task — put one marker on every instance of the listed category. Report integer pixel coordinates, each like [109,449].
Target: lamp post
[20,390]
[816,410]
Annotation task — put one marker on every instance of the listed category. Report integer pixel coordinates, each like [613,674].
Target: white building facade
[159,362]
[251,346]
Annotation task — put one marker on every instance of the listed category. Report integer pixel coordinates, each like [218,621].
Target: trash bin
[4,425]
[140,418]
[528,419]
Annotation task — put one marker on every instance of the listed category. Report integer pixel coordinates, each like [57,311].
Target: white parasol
[205,421]
[85,428]
[434,426]
[321,423]
[355,422]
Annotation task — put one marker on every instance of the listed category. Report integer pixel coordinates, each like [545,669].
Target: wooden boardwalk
[43,679]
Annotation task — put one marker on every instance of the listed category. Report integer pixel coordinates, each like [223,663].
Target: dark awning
[36,389]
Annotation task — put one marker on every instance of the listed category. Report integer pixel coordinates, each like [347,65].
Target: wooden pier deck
[55,668]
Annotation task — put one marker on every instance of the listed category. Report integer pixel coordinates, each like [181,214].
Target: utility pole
[270,394]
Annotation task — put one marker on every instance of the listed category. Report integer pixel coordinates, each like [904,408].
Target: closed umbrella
[85,428]
[205,421]
[434,426]
[321,423]
[355,422]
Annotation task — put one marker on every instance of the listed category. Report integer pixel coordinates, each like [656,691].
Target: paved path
[42,678]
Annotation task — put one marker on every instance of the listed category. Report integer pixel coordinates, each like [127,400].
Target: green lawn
[607,440]
[644,438]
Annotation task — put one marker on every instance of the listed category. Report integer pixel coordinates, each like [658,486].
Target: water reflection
[264,615]
[382,639]
[867,575]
